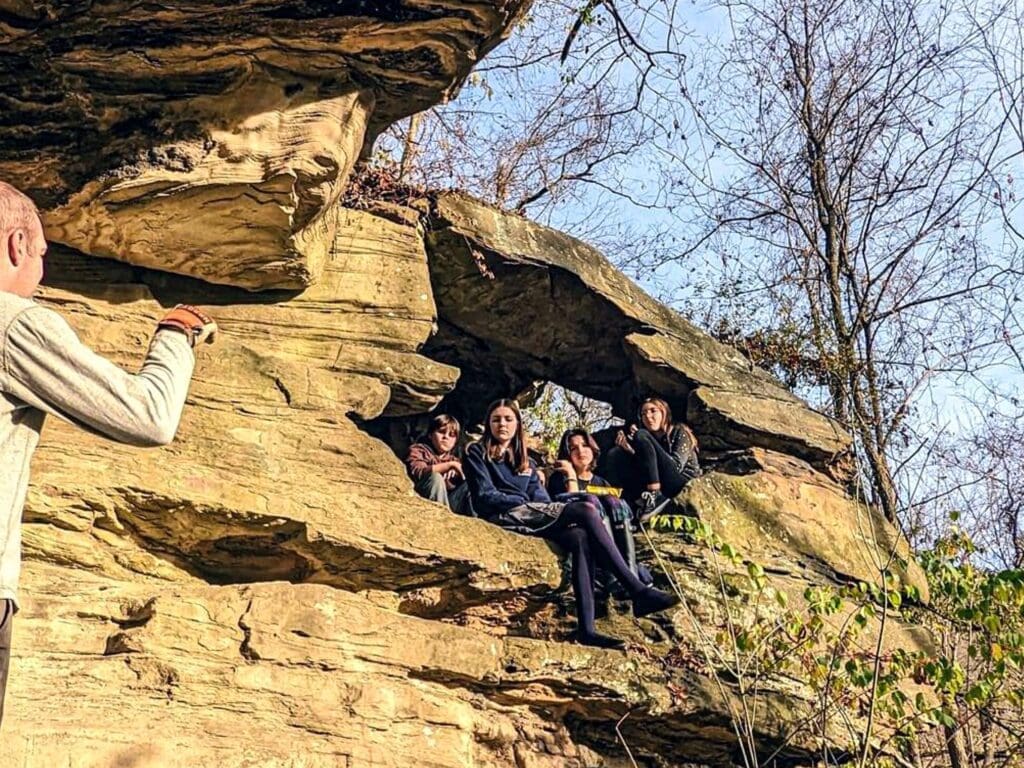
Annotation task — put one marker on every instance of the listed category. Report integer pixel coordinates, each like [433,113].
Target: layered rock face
[267,590]
[213,140]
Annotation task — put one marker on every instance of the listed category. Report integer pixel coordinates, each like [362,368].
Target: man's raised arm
[46,365]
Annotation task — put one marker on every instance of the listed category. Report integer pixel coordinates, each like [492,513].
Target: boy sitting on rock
[435,468]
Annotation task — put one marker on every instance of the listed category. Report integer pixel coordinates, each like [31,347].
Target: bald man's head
[16,208]
[22,243]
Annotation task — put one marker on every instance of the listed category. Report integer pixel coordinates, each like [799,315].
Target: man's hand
[198,326]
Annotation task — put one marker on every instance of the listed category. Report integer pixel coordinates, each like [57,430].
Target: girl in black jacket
[654,461]
[506,490]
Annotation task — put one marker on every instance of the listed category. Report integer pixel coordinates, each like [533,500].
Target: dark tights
[581,531]
[649,464]
[574,541]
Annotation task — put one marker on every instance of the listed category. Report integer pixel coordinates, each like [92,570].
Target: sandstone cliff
[267,591]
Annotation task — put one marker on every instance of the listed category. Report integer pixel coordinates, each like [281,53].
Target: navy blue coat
[496,486]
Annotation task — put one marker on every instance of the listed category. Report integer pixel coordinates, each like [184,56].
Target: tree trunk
[955,747]
[988,738]
[883,487]
[410,147]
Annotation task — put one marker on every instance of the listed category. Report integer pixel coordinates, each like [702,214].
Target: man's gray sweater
[45,368]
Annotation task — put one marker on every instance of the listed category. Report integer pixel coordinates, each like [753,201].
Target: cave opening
[548,409]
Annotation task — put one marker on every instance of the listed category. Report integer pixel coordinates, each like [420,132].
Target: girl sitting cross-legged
[505,490]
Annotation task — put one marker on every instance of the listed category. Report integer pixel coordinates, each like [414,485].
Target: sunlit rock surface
[269,582]
[267,590]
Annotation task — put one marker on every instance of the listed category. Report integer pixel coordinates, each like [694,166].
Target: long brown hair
[516,453]
[588,440]
[666,412]
[667,425]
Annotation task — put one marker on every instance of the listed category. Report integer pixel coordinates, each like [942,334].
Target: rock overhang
[180,137]
[520,302]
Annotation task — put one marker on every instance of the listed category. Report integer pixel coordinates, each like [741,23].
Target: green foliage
[885,701]
[556,409]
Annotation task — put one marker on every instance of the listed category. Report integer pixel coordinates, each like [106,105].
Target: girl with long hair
[655,460]
[574,475]
[506,490]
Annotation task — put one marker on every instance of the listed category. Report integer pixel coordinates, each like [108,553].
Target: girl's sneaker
[649,504]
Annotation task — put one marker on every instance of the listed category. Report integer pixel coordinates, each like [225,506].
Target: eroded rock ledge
[214,139]
[519,302]
[271,578]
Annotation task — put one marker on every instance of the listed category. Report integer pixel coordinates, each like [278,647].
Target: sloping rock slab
[278,675]
[519,302]
[239,499]
[784,515]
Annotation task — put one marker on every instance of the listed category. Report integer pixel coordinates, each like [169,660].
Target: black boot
[652,600]
[597,640]
[649,504]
